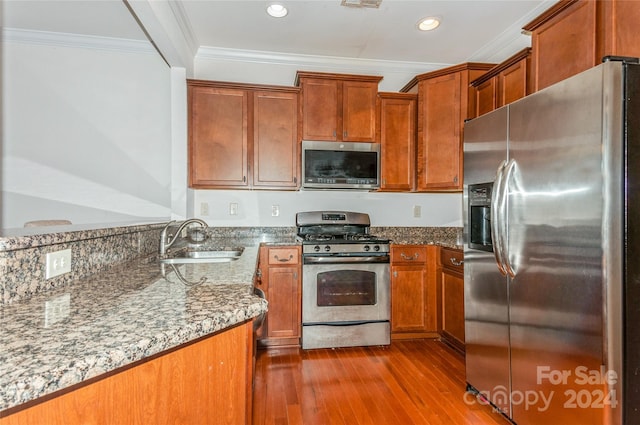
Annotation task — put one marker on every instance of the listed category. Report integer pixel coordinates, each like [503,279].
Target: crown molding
[184,24]
[506,44]
[15,35]
[316,62]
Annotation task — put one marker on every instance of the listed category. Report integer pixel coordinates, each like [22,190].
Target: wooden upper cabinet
[243,136]
[574,35]
[443,106]
[505,83]
[218,137]
[338,107]
[564,42]
[397,141]
[275,139]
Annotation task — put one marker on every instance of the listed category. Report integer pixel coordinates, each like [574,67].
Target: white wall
[87,134]
[384,209]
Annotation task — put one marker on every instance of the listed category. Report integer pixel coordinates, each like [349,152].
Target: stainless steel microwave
[340,165]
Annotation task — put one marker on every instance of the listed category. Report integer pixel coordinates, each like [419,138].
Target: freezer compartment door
[485,288]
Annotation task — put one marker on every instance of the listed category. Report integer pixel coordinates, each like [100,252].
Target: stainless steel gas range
[345,281]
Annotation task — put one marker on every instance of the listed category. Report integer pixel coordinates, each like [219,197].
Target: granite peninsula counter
[112,319]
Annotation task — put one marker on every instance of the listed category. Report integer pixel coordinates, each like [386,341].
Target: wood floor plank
[419,382]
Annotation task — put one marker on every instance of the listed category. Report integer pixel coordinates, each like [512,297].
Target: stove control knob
[376,248]
[327,248]
[316,248]
[367,248]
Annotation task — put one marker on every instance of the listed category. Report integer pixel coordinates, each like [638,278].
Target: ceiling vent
[361,3]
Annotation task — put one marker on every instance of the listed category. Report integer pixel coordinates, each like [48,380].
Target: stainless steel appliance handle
[345,259]
[496,193]
[508,173]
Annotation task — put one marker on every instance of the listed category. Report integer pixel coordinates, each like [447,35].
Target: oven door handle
[346,259]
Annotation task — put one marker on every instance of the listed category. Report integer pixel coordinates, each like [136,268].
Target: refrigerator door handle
[496,193]
[504,197]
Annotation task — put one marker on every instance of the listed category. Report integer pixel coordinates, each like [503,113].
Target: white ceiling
[471,30]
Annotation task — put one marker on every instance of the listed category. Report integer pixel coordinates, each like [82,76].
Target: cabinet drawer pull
[456,263]
[408,257]
[284,260]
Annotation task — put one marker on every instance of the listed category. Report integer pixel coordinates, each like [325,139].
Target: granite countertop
[125,314]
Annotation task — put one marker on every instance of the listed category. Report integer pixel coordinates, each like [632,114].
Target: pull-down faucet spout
[167,240]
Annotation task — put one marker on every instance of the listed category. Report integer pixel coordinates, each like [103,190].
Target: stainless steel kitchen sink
[221,255]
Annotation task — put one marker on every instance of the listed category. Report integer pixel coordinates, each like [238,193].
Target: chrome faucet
[166,240]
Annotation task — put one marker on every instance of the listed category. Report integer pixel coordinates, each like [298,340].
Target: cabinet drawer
[283,256]
[452,259]
[408,254]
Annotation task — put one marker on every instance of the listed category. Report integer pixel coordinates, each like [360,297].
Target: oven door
[351,292]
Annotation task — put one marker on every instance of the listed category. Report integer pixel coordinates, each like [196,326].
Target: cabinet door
[283,317]
[275,140]
[218,139]
[409,298]
[512,83]
[439,145]
[452,293]
[486,94]
[319,109]
[359,111]
[565,45]
[398,141]
[453,305]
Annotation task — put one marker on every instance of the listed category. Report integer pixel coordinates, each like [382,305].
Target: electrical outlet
[58,263]
[233,208]
[417,211]
[204,208]
[57,309]
[275,210]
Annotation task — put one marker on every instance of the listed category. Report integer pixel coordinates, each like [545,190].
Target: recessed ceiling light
[428,24]
[277,10]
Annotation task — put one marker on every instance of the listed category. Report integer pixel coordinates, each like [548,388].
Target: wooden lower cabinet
[207,382]
[281,281]
[413,291]
[452,297]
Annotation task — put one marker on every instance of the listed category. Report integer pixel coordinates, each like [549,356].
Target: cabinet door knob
[395,274]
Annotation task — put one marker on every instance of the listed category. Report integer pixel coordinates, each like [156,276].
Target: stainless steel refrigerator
[552,258]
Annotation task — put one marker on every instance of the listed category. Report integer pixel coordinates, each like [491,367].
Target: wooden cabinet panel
[281,280]
[338,107]
[183,386]
[513,82]
[359,111]
[283,318]
[279,256]
[413,291]
[445,101]
[398,141]
[439,153]
[565,45]
[452,293]
[275,140]
[218,137]
[486,96]
[320,112]
[618,23]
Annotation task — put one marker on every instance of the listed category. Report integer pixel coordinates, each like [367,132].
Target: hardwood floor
[409,382]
